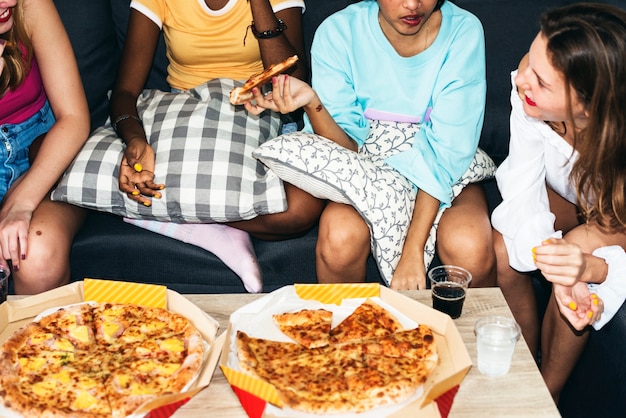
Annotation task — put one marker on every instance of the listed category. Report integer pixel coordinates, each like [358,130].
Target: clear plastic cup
[448,285]
[496,337]
[4,283]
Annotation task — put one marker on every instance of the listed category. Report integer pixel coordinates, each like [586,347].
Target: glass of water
[496,337]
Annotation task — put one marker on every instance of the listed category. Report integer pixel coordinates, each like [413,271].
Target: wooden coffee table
[521,393]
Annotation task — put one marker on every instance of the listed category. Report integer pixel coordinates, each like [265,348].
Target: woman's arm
[411,271]
[137,55]
[279,48]
[64,89]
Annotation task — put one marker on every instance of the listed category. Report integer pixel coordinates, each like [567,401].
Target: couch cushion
[203,154]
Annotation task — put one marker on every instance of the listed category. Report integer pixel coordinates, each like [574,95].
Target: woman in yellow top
[205,40]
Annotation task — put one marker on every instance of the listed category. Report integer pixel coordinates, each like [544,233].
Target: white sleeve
[613,290]
[523,218]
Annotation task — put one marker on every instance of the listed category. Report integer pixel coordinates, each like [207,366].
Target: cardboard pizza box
[454,361]
[15,313]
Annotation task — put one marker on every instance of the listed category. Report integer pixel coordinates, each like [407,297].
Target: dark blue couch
[106,247]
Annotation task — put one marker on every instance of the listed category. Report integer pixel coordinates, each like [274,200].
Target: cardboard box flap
[334,294]
[125,292]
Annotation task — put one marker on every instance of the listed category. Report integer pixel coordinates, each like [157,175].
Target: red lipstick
[530,102]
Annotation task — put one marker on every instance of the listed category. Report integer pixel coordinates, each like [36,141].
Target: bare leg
[561,346]
[464,236]
[301,215]
[343,245]
[519,293]
[47,264]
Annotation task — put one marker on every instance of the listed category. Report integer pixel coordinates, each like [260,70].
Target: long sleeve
[357,73]
[613,290]
[537,157]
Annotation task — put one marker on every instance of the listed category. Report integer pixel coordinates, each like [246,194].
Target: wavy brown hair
[586,42]
[16,63]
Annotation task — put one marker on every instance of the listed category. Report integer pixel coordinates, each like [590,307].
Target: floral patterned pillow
[379,193]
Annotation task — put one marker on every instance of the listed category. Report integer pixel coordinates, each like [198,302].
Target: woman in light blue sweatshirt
[418,66]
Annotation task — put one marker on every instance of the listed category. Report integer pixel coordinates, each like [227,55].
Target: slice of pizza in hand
[243,94]
[309,327]
[367,321]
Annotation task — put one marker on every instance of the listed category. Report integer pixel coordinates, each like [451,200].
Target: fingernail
[595,301]
[2,42]
[157,195]
[594,296]
[135,192]
[589,314]
[23,256]
[161,187]
[138,167]
[572,305]
[147,204]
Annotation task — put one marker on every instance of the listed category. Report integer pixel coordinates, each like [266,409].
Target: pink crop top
[18,105]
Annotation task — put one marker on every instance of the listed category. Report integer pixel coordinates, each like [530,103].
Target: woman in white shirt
[564,184]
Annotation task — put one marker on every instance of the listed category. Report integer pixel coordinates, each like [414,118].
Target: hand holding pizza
[288,94]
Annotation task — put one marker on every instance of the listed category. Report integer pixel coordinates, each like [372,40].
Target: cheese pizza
[367,361]
[240,95]
[98,360]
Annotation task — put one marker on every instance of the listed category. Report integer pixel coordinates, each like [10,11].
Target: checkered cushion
[382,196]
[203,150]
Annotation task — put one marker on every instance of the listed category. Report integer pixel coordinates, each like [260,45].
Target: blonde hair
[18,52]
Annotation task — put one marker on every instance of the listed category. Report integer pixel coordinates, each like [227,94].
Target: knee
[473,251]
[342,249]
[43,269]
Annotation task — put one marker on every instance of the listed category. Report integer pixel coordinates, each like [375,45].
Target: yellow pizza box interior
[454,361]
[18,312]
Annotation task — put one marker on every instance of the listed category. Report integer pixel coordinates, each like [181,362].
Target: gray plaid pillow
[203,149]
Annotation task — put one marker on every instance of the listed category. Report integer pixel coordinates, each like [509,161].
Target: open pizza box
[15,313]
[260,398]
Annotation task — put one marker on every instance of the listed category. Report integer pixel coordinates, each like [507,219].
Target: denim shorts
[15,142]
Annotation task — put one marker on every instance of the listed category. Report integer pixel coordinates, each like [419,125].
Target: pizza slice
[368,320]
[309,327]
[243,94]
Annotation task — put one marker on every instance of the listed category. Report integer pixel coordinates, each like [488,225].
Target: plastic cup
[448,285]
[4,283]
[496,337]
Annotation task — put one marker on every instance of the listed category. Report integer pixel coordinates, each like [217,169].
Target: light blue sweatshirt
[358,75]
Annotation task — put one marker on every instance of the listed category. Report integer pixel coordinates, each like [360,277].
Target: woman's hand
[409,276]
[579,306]
[14,233]
[559,261]
[288,94]
[137,173]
